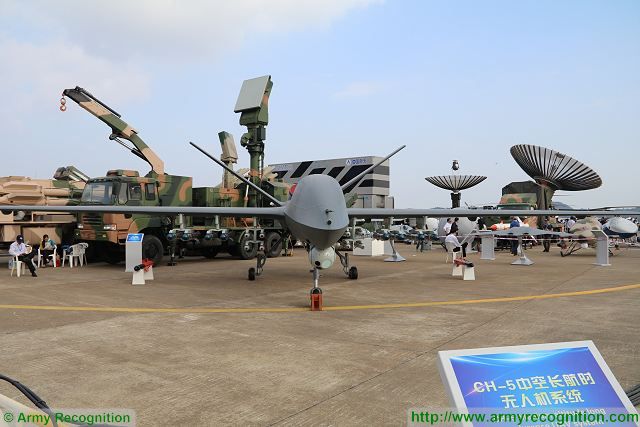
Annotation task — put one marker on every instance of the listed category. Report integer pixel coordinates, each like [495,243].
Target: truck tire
[273,244]
[152,249]
[113,257]
[242,251]
[233,250]
[210,253]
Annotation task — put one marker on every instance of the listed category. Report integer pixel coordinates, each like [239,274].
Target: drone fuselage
[317,212]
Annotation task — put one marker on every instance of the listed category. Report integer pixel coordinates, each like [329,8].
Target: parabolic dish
[557,170]
[455,182]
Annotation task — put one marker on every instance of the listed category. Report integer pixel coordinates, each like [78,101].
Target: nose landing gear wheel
[353,273]
[252,273]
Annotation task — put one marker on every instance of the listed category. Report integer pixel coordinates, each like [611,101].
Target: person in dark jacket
[454,226]
[514,242]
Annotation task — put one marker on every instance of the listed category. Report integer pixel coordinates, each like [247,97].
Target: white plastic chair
[83,251]
[450,253]
[17,266]
[76,251]
[52,256]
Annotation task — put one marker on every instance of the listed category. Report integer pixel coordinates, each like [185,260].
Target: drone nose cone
[317,211]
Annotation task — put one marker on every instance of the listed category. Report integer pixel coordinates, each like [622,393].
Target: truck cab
[106,233]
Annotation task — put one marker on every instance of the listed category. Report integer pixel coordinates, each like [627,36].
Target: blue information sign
[134,237]
[545,378]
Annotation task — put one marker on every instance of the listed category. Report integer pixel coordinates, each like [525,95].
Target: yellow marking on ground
[325,308]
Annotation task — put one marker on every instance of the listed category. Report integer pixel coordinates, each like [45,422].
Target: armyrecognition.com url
[70,417]
[566,418]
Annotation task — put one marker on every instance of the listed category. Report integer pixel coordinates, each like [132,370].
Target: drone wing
[447,213]
[274,212]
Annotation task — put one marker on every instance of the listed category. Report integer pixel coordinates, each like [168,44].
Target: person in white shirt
[453,240]
[19,249]
[447,227]
[570,223]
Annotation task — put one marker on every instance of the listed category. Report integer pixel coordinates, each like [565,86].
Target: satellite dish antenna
[553,171]
[455,183]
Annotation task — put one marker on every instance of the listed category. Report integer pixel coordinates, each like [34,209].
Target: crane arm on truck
[119,128]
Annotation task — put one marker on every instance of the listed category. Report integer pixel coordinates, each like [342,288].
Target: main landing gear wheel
[350,271]
[261,259]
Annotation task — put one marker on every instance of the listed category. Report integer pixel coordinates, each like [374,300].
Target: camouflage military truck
[241,237]
[106,232]
[524,195]
[64,189]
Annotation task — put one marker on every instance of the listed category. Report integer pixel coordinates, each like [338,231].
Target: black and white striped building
[373,190]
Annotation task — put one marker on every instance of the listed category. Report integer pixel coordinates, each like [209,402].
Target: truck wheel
[210,253]
[233,250]
[273,244]
[243,251]
[152,249]
[113,257]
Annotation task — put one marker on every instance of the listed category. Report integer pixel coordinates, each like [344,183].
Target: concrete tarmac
[350,365]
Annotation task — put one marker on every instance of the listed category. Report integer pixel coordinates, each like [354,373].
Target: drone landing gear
[350,271]
[261,259]
[316,293]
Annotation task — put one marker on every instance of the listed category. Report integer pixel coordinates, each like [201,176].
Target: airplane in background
[616,228]
[316,214]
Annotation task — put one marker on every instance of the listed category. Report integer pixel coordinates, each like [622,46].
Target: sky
[462,80]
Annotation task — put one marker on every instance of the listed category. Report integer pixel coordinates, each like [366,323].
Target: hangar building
[373,190]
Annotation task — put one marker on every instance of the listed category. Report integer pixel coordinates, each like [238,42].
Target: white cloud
[34,75]
[193,29]
[113,47]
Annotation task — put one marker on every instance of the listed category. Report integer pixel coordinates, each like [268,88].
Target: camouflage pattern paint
[119,127]
[28,191]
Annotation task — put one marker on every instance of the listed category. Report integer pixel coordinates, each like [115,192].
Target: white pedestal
[457,270]
[469,273]
[372,247]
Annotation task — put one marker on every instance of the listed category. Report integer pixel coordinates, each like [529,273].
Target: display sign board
[560,378]
[133,251]
[135,237]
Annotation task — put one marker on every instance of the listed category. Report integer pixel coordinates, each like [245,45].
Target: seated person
[453,240]
[47,247]
[19,249]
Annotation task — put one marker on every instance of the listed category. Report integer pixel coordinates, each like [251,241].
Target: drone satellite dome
[553,171]
[455,183]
